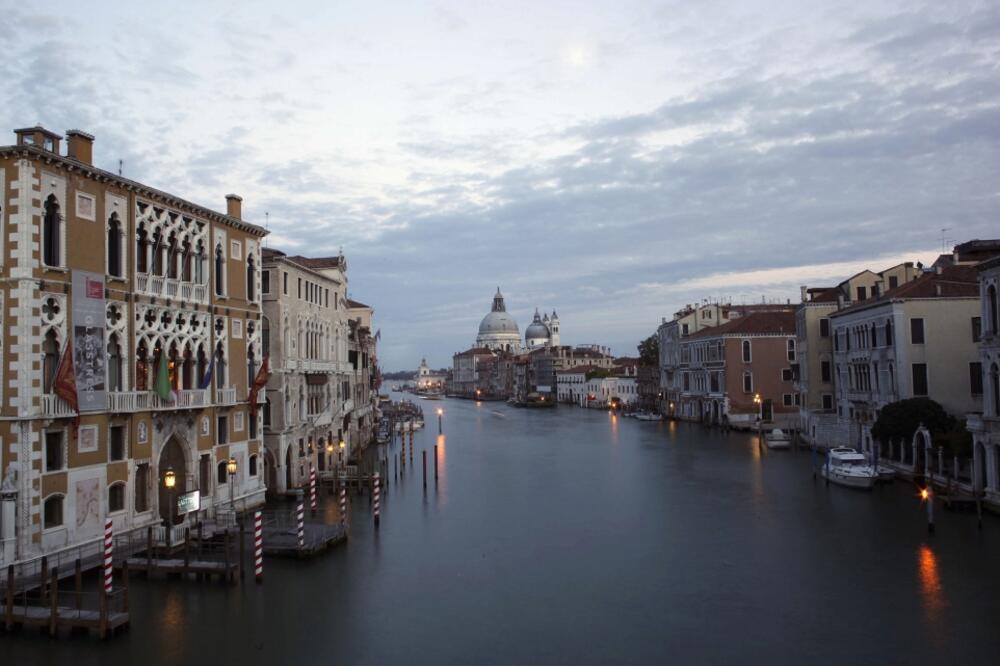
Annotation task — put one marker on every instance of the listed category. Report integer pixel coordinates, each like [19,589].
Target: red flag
[64,384]
[259,382]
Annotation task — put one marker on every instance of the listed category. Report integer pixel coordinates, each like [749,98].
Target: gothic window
[995,383]
[265,336]
[172,257]
[188,369]
[141,244]
[53,513]
[746,351]
[202,365]
[116,497]
[220,367]
[157,252]
[251,366]
[888,333]
[220,269]
[115,237]
[251,280]
[186,261]
[199,264]
[991,306]
[142,367]
[114,363]
[50,360]
[52,233]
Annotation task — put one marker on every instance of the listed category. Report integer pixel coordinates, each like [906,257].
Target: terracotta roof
[318,262]
[269,252]
[959,281]
[351,303]
[580,369]
[754,323]
[824,295]
[475,351]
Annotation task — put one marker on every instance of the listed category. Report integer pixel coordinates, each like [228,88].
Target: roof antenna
[267,225]
[944,240]
[121,164]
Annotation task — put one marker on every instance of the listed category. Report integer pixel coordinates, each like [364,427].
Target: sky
[612,161]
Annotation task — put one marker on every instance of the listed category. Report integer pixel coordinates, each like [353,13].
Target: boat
[647,416]
[778,439]
[849,468]
[886,473]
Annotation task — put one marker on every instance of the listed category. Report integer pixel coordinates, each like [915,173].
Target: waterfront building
[814,371]
[428,380]
[739,373]
[469,371]
[144,310]
[985,426]
[542,331]
[916,340]
[360,410]
[498,330]
[305,328]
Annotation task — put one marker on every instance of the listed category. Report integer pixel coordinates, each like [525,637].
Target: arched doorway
[270,472]
[288,468]
[979,459]
[921,441]
[172,457]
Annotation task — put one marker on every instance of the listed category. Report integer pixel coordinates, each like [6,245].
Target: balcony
[55,407]
[317,366]
[141,401]
[225,396]
[164,287]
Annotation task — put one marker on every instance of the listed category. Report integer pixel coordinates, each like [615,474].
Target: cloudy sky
[611,160]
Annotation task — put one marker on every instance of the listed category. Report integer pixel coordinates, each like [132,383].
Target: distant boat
[648,416]
[778,439]
[849,468]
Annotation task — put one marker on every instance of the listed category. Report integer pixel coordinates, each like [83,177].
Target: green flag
[163,378]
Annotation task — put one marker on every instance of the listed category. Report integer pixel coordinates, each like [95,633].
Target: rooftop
[956,281]
[775,322]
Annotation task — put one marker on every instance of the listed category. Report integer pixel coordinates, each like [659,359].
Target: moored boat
[778,439]
[849,468]
[648,416]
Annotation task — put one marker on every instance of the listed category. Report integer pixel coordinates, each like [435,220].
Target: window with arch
[995,385]
[221,473]
[141,246]
[114,363]
[888,333]
[220,367]
[220,271]
[252,465]
[52,515]
[116,241]
[265,336]
[874,336]
[50,360]
[991,306]
[251,279]
[745,345]
[116,497]
[52,233]
[199,263]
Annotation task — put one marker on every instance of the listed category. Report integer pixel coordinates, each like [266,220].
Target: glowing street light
[169,481]
[440,414]
[231,469]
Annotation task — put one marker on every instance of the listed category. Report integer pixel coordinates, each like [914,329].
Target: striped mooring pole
[108,552]
[312,490]
[343,504]
[375,498]
[301,511]
[258,546]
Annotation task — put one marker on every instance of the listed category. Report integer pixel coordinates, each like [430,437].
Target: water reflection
[930,585]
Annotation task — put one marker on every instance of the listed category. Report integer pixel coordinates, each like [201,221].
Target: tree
[649,350]
[900,420]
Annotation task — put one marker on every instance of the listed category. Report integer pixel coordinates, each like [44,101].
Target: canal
[569,536]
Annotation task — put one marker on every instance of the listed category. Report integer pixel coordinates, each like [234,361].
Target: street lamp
[231,468]
[440,414]
[169,481]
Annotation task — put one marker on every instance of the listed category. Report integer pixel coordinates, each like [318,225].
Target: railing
[158,285]
[54,406]
[225,396]
[138,401]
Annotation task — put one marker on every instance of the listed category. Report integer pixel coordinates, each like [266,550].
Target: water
[567,536]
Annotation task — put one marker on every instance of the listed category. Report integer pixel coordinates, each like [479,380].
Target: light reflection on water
[931,589]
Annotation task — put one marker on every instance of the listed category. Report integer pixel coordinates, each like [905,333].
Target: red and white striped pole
[312,490]
[375,499]
[108,552]
[301,511]
[258,546]
[343,504]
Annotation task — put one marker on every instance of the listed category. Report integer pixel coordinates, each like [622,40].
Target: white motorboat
[886,473]
[778,439]
[647,416]
[849,468]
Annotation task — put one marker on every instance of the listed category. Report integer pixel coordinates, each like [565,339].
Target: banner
[89,350]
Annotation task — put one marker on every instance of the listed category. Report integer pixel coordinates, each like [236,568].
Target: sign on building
[188,502]
[89,350]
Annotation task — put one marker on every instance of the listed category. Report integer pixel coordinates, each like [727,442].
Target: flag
[206,381]
[259,382]
[163,378]
[64,384]
[378,335]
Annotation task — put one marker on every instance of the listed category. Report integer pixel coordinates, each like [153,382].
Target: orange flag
[64,384]
[259,382]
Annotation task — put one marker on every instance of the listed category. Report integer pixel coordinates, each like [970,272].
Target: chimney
[937,269]
[840,301]
[802,293]
[234,206]
[80,146]
[937,289]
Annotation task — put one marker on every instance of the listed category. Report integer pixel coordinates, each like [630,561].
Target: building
[542,331]
[916,340]
[305,329]
[428,380]
[985,427]
[739,373]
[498,330]
[360,416]
[471,371]
[159,300]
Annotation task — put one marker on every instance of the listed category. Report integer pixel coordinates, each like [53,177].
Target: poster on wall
[89,351]
[88,507]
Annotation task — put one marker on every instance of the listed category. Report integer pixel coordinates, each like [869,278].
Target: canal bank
[556,536]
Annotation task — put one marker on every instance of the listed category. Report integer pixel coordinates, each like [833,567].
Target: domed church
[499,332]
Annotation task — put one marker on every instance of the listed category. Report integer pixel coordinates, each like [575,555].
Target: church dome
[497,322]
[537,330]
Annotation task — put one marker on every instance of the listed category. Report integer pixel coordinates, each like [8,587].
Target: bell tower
[554,328]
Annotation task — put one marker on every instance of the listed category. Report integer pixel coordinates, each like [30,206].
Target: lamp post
[231,469]
[760,416]
[329,462]
[169,481]
[440,414]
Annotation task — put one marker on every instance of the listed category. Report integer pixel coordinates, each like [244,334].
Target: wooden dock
[284,542]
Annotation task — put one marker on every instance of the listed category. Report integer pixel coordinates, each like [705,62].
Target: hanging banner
[89,351]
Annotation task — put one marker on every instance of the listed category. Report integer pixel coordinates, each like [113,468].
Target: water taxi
[849,468]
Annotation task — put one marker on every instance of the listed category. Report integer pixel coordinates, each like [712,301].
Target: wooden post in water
[243,546]
[435,463]
[225,549]
[187,550]
[125,584]
[79,583]
[43,579]
[149,551]
[424,456]
[9,619]
[102,621]
[54,608]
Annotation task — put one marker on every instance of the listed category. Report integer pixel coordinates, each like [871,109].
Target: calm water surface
[572,537]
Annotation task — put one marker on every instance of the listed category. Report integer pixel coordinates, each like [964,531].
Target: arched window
[172,250]
[995,381]
[186,260]
[114,363]
[50,360]
[220,270]
[251,280]
[157,252]
[252,465]
[52,233]
[199,264]
[115,236]
[116,497]
[142,367]
[220,367]
[251,366]
[265,336]
[873,336]
[888,333]
[221,473]
[187,372]
[53,513]
[746,351]
[991,305]
[202,366]
[267,412]
[141,255]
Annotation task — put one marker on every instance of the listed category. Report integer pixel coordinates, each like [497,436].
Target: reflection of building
[162,298]
[428,380]
[305,327]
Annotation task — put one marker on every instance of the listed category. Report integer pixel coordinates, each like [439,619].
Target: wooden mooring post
[423,454]
[435,463]
[187,550]
[79,583]
[54,608]
[9,615]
